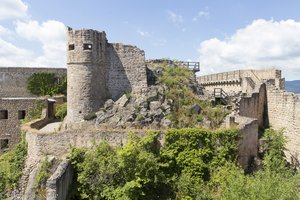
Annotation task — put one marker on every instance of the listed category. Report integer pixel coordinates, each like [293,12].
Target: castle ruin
[98,70]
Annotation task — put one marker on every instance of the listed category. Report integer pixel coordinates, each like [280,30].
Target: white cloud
[203,13]
[12,9]
[52,36]
[262,44]
[143,33]
[175,18]
[10,55]
[4,31]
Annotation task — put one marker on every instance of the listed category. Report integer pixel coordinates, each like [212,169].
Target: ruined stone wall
[248,143]
[13,79]
[283,112]
[59,184]
[86,73]
[126,69]
[10,128]
[255,106]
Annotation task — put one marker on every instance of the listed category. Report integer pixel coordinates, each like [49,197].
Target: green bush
[42,84]
[143,170]
[11,165]
[61,111]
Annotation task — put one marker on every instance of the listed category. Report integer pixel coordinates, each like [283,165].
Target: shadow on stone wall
[117,79]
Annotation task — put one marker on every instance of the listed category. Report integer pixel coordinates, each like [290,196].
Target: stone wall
[255,106]
[245,81]
[98,70]
[248,144]
[126,69]
[59,184]
[283,112]
[13,79]
[12,111]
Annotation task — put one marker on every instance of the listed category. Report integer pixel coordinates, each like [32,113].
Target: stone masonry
[270,104]
[98,70]
[12,111]
[243,81]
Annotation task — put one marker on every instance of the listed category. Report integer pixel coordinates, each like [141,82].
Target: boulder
[122,102]
[108,105]
[195,109]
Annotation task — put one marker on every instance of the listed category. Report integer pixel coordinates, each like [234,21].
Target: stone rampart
[13,79]
[245,81]
[283,112]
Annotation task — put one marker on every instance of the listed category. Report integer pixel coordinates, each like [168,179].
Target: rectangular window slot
[71,47]
[3,144]
[87,46]
[21,114]
[3,114]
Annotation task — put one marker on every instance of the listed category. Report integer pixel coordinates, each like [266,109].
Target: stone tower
[86,73]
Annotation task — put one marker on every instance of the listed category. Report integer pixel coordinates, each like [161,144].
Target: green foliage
[90,116]
[128,173]
[144,170]
[191,155]
[41,178]
[43,173]
[11,164]
[36,112]
[61,111]
[274,159]
[42,84]
[233,184]
[276,181]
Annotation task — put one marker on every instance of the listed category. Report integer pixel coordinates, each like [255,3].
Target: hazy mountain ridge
[293,86]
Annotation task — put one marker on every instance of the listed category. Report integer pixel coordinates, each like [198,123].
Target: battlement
[241,80]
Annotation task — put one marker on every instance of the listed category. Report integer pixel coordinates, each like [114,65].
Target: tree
[44,83]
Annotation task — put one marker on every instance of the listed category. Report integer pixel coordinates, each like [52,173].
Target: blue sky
[222,35]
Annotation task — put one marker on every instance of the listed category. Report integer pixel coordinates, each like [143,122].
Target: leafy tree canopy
[44,83]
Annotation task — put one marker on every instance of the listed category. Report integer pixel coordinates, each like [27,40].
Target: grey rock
[154,105]
[195,109]
[152,94]
[122,102]
[108,105]
[166,123]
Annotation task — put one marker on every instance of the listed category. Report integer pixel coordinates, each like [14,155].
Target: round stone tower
[86,73]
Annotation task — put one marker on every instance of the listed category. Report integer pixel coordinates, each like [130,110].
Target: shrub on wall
[42,84]
[11,165]
[61,111]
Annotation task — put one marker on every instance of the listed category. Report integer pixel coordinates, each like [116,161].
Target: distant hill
[293,86]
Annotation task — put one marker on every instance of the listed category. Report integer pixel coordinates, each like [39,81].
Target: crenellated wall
[244,81]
